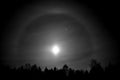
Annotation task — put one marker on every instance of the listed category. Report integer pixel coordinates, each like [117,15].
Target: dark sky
[82,30]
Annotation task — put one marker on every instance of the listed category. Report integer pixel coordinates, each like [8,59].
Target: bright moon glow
[55,50]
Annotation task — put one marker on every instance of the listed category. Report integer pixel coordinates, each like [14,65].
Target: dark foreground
[32,72]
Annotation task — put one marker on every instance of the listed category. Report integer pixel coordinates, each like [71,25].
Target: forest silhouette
[34,72]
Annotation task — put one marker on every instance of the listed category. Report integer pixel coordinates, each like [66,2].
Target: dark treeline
[65,73]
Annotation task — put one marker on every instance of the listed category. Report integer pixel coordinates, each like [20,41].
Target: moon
[55,50]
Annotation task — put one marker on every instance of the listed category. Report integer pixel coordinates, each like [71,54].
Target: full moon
[55,50]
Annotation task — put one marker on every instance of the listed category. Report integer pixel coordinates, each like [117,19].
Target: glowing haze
[49,33]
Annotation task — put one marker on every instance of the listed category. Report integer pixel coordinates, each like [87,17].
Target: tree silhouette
[96,71]
[65,67]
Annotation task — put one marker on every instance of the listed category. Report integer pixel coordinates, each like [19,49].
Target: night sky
[82,31]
